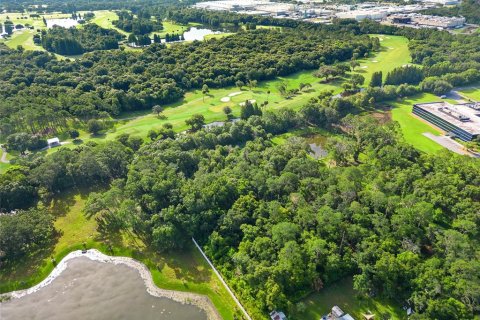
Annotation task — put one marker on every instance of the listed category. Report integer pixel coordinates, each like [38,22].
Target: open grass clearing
[4,166]
[218,35]
[387,59]
[105,18]
[413,127]
[182,271]
[343,295]
[472,93]
[23,38]
[211,106]
[174,28]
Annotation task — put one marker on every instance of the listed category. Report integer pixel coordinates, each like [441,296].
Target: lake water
[95,290]
[66,23]
[317,145]
[197,34]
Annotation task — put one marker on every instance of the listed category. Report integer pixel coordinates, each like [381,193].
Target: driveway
[450,144]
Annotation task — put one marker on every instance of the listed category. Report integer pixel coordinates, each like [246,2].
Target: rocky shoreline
[198,300]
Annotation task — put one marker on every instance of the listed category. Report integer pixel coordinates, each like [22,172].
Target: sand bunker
[363,67]
[241,104]
[225,99]
[198,300]
[233,94]
[374,61]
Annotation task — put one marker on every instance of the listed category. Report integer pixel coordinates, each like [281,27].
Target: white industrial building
[362,14]
[443,2]
[427,20]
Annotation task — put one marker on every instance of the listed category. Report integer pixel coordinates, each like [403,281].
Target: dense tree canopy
[74,41]
[276,222]
[280,224]
[140,25]
[40,93]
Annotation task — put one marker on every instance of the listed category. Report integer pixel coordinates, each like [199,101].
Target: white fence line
[223,281]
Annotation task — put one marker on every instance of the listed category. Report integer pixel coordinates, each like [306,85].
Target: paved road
[450,144]
[454,95]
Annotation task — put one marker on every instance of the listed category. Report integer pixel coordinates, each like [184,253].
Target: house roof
[53,140]
[346,317]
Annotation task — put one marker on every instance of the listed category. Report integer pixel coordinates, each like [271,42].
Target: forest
[278,223]
[75,41]
[89,5]
[139,25]
[38,89]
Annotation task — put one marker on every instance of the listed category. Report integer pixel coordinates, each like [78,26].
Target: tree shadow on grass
[188,265]
[100,135]
[61,205]
[20,274]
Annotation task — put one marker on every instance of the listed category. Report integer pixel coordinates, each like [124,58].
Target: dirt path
[4,156]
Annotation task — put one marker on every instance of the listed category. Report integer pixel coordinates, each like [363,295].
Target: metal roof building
[460,120]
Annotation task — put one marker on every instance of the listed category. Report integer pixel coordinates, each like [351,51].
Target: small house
[277,315]
[337,312]
[53,142]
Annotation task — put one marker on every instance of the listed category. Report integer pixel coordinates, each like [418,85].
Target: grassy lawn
[4,166]
[471,93]
[172,27]
[211,106]
[412,127]
[104,19]
[23,38]
[343,295]
[217,36]
[182,271]
[394,53]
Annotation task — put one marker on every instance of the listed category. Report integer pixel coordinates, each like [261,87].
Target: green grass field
[471,93]
[412,127]
[25,37]
[182,271]
[104,19]
[218,35]
[171,27]
[4,166]
[212,106]
[394,53]
[343,295]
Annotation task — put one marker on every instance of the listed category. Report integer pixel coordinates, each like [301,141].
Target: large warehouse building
[460,120]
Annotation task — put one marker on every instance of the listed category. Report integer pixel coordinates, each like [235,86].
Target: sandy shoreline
[198,300]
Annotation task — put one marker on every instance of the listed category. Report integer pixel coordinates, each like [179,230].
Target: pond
[92,289]
[66,23]
[317,144]
[197,34]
